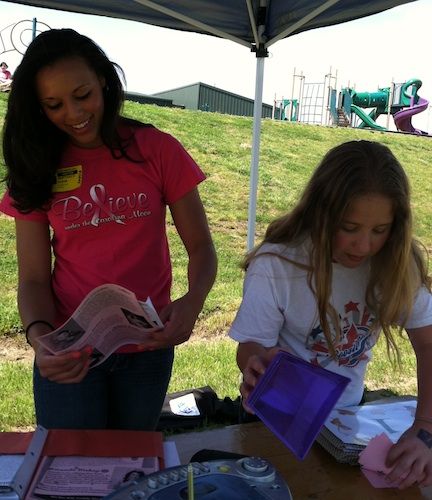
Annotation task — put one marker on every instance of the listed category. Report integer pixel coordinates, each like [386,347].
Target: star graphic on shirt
[351,306]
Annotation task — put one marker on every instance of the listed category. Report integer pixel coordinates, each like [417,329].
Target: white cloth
[279,309]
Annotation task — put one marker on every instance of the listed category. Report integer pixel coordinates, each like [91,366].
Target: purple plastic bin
[294,398]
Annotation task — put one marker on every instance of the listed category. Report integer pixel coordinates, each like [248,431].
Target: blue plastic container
[294,398]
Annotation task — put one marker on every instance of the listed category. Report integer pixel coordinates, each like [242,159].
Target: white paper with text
[88,477]
[109,317]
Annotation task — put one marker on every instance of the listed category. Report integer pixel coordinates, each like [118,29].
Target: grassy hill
[221,144]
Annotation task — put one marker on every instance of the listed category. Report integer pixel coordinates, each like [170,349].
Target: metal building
[148,99]
[208,98]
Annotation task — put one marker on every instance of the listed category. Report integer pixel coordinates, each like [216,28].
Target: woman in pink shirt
[91,188]
[5,77]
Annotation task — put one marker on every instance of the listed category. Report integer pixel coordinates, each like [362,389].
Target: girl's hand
[179,319]
[411,457]
[67,368]
[254,369]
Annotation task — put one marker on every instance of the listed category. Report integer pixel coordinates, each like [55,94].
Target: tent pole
[255,151]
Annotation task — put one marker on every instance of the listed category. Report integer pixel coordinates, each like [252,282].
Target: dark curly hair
[32,145]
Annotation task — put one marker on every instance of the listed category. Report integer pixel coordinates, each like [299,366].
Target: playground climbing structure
[362,109]
[309,102]
[319,103]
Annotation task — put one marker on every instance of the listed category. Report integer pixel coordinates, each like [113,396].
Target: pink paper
[373,458]
[378,479]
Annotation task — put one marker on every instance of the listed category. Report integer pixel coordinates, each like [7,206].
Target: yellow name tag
[67,178]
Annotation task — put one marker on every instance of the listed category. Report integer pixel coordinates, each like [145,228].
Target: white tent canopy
[256,24]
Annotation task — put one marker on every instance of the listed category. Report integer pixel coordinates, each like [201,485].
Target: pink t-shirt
[5,75]
[111,229]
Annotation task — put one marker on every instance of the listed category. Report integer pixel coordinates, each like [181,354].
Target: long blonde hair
[350,170]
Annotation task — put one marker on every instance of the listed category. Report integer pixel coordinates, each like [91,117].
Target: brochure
[61,463]
[109,317]
[88,476]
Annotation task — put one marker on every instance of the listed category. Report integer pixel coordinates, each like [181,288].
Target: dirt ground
[14,348]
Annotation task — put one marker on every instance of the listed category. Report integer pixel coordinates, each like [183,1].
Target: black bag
[212,411]
[205,398]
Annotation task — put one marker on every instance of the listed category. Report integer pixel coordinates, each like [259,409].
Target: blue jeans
[126,391]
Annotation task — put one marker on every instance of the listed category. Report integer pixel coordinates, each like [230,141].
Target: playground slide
[366,118]
[403,117]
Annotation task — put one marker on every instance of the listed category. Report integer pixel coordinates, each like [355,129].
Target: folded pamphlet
[109,317]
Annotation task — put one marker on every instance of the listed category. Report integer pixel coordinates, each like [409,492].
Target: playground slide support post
[390,102]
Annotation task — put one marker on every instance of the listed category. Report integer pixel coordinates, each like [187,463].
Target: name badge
[67,179]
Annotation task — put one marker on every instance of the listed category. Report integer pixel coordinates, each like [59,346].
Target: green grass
[195,365]
[16,401]
[221,144]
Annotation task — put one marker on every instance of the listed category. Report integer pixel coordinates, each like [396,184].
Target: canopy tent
[256,24]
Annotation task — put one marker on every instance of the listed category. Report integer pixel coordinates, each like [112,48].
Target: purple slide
[403,117]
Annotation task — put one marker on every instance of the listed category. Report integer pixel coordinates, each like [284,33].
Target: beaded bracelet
[41,321]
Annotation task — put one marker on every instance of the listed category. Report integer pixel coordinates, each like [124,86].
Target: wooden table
[317,477]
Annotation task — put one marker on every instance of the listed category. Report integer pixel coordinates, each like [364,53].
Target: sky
[366,54]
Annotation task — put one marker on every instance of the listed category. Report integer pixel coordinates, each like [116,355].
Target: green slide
[366,118]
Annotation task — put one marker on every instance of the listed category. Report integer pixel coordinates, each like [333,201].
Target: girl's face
[364,230]
[71,95]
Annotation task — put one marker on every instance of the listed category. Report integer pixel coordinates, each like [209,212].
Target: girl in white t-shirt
[334,272]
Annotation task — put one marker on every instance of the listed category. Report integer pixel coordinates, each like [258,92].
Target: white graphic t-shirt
[279,309]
